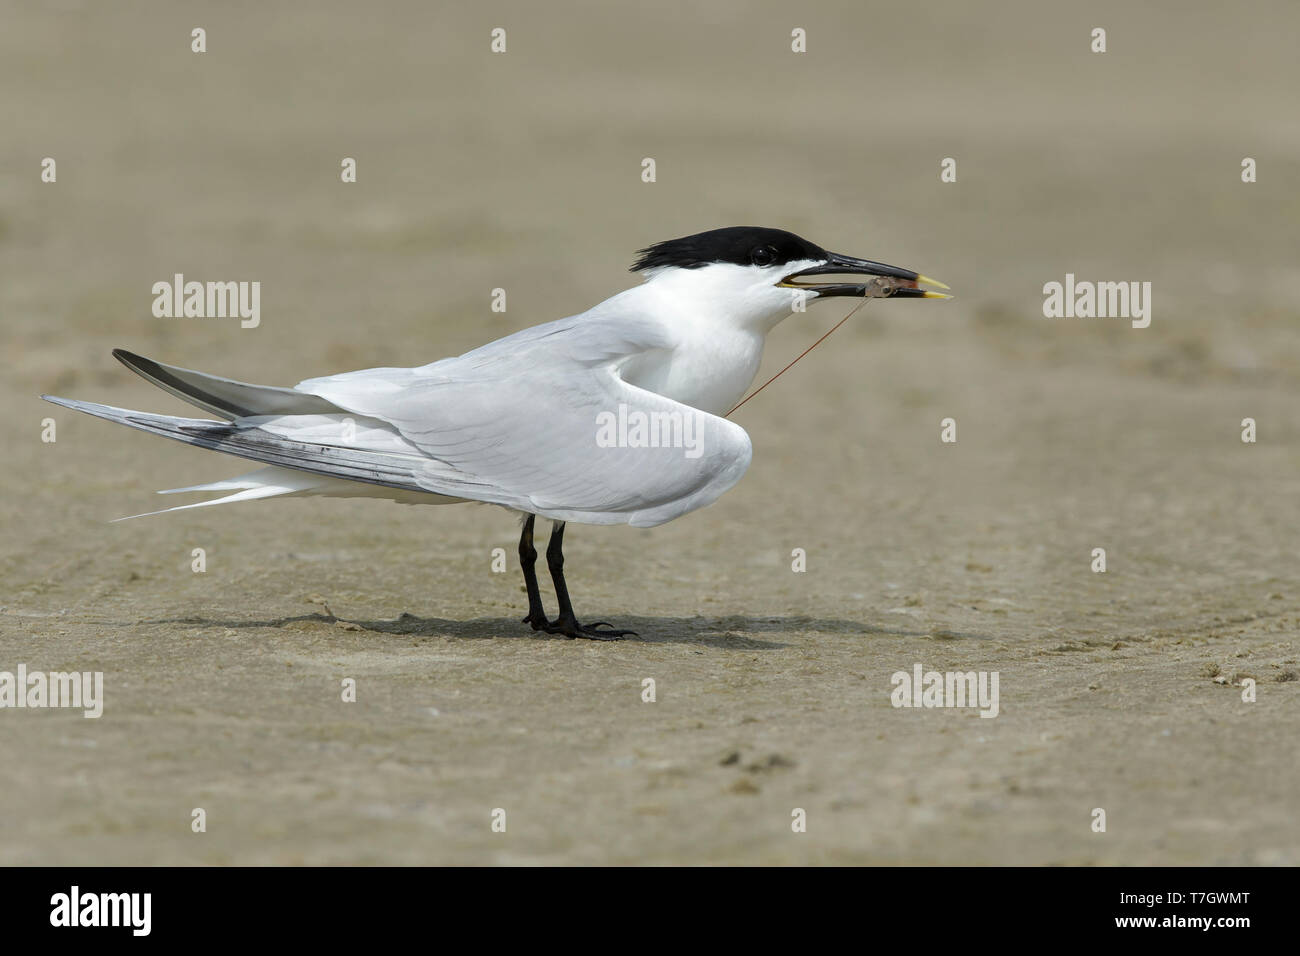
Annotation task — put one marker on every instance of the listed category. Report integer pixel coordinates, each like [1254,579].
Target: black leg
[567,623]
[528,560]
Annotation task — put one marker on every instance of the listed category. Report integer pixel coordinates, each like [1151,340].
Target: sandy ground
[1118,691]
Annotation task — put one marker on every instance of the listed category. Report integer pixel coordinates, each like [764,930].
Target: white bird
[612,416]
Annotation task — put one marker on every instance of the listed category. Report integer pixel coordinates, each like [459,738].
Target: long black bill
[885,280]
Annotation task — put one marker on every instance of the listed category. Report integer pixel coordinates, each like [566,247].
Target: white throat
[719,316]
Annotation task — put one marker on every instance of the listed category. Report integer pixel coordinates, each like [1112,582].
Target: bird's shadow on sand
[733,632]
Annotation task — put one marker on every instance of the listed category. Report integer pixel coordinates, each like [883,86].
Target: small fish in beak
[883,281]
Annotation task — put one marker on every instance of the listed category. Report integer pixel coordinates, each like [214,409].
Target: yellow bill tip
[934,282]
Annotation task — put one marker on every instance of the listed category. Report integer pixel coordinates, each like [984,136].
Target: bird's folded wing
[223,396]
[555,436]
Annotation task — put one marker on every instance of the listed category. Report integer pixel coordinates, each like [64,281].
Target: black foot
[600,631]
[537,619]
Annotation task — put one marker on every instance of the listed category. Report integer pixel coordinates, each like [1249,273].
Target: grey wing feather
[377,468]
[223,396]
[520,422]
[537,440]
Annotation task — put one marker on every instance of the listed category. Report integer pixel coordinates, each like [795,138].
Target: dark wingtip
[145,368]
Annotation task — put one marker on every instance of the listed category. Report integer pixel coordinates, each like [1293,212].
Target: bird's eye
[762,255]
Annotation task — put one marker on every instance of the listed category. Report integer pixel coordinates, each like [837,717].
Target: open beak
[882,280]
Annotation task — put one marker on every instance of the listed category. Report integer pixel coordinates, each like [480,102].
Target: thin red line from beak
[799,356]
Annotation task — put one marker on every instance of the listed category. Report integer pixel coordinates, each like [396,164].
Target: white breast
[717,317]
[710,370]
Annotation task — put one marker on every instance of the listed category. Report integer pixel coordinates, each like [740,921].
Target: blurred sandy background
[522,171]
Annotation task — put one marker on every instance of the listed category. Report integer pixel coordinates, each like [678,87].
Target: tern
[616,415]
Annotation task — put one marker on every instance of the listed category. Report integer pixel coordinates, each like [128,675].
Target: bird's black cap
[740,245]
